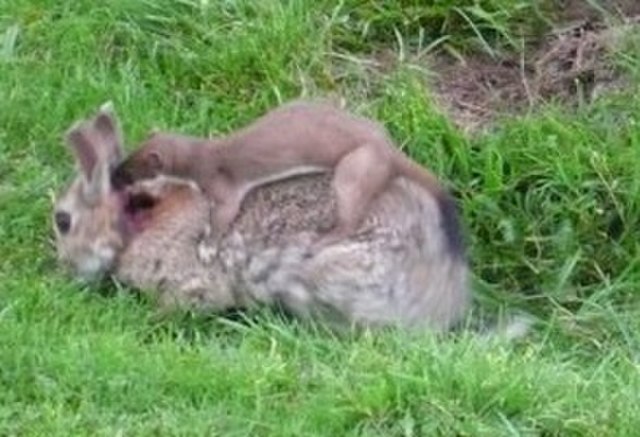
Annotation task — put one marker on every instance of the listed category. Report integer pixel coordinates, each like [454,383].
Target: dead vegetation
[572,65]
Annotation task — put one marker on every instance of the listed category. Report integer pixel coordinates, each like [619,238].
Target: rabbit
[404,266]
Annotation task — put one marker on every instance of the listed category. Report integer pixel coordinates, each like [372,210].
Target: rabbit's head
[88,218]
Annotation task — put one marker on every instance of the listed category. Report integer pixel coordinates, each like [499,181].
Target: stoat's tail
[448,209]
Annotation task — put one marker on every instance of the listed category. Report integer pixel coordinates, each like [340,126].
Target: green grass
[551,203]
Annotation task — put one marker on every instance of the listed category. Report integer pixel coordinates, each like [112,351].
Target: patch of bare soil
[571,65]
[572,11]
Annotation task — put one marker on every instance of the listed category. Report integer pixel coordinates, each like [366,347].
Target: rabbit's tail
[516,327]
[508,328]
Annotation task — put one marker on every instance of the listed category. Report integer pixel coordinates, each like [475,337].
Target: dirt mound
[571,65]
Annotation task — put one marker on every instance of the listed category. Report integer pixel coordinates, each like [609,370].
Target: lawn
[550,200]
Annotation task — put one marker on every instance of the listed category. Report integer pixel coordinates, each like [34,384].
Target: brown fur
[297,138]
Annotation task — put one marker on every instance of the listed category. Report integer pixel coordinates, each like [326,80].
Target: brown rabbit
[404,265]
[296,138]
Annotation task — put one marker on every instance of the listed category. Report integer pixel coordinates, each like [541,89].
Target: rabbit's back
[404,265]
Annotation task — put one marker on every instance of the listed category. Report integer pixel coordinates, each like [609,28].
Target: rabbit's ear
[90,163]
[78,139]
[107,127]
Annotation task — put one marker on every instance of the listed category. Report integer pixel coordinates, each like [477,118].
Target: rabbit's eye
[63,221]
